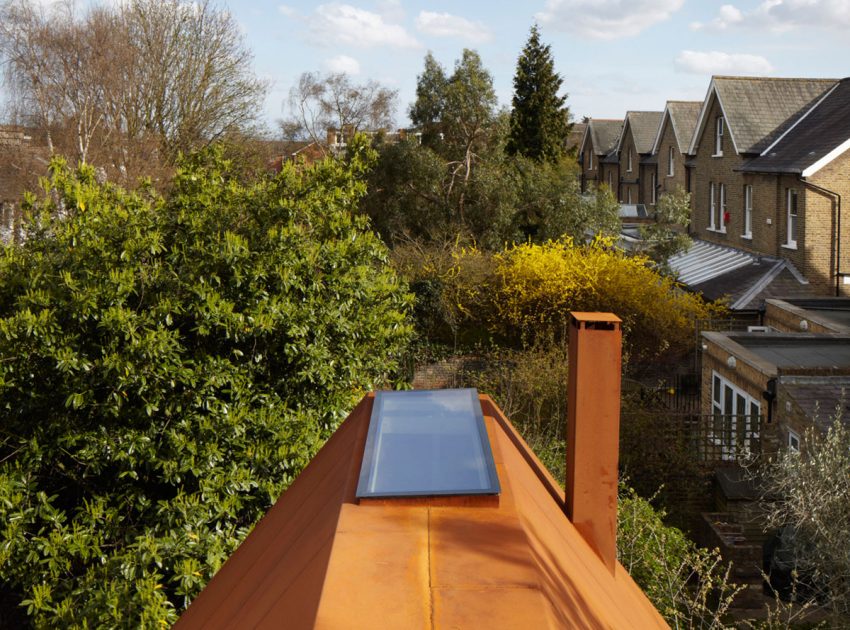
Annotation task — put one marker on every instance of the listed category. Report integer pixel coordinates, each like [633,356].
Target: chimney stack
[593,430]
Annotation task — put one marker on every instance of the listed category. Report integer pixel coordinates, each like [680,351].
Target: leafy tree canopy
[167,366]
[539,116]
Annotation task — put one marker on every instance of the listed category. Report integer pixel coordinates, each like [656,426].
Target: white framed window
[791,218]
[652,186]
[734,418]
[748,211]
[718,136]
[721,219]
[629,161]
[589,160]
[611,180]
[670,167]
[793,441]
[629,195]
[712,202]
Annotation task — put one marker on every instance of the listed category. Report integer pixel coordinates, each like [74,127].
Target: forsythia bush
[167,366]
[534,287]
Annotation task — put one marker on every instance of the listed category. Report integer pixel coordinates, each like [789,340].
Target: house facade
[746,198]
[600,139]
[671,144]
[637,168]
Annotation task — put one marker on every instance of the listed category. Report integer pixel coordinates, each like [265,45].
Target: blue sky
[614,55]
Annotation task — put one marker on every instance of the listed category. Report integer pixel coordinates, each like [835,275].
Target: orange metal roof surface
[321,559]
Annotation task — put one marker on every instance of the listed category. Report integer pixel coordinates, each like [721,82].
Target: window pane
[427,442]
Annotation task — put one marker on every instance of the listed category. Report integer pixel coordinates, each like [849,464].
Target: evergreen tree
[539,116]
[427,111]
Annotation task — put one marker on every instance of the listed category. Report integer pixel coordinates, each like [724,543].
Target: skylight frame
[368,469]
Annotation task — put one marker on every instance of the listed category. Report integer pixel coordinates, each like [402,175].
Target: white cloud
[345,24]
[783,15]
[285,9]
[607,19]
[716,62]
[729,15]
[343,63]
[448,25]
[391,10]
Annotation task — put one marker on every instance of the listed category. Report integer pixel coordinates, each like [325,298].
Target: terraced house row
[767,164]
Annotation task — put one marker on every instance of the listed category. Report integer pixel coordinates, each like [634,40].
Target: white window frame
[653,182]
[589,160]
[711,207]
[629,195]
[718,136]
[722,207]
[670,167]
[611,181]
[729,418]
[791,243]
[793,441]
[629,161]
[748,212]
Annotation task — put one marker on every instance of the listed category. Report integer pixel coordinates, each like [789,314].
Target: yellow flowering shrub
[534,287]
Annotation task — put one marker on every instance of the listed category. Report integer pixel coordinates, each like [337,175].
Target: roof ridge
[743,78]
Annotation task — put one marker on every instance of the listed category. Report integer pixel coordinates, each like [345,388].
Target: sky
[613,55]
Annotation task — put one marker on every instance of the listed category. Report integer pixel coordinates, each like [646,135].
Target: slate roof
[760,109]
[819,132]
[644,128]
[818,396]
[611,157]
[683,116]
[321,558]
[605,134]
[746,279]
[576,135]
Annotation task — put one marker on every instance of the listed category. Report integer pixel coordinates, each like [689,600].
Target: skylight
[427,442]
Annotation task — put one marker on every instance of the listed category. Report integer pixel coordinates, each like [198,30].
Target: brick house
[638,173]
[764,390]
[672,142]
[598,143]
[764,151]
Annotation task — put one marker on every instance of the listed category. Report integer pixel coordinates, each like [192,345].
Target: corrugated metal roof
[704,261]
[321,558]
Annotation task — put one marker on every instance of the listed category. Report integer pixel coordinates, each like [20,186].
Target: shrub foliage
[167,366]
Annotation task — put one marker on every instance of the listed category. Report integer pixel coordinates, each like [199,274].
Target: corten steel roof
[758,110]
[605,134]
[818,136]
[321,559]
[644,127]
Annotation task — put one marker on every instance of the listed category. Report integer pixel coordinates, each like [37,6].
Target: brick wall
[629,180]
[786,317]
[820,226]
[589,176]
[719,170]
[668,139]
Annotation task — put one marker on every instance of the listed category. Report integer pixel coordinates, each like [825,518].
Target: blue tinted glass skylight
[427,442]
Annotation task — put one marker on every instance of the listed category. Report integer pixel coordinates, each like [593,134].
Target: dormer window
[670,170]
[718,136]
[427,443]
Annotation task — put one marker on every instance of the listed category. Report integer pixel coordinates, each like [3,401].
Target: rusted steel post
[593,429]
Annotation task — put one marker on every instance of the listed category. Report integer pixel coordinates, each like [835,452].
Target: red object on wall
[726,217]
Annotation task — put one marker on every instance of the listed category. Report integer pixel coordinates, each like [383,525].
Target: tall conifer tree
[539,116]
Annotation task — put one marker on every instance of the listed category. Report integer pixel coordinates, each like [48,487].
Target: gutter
[826,191]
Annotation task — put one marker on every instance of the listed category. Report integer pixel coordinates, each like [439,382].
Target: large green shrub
[167,366]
